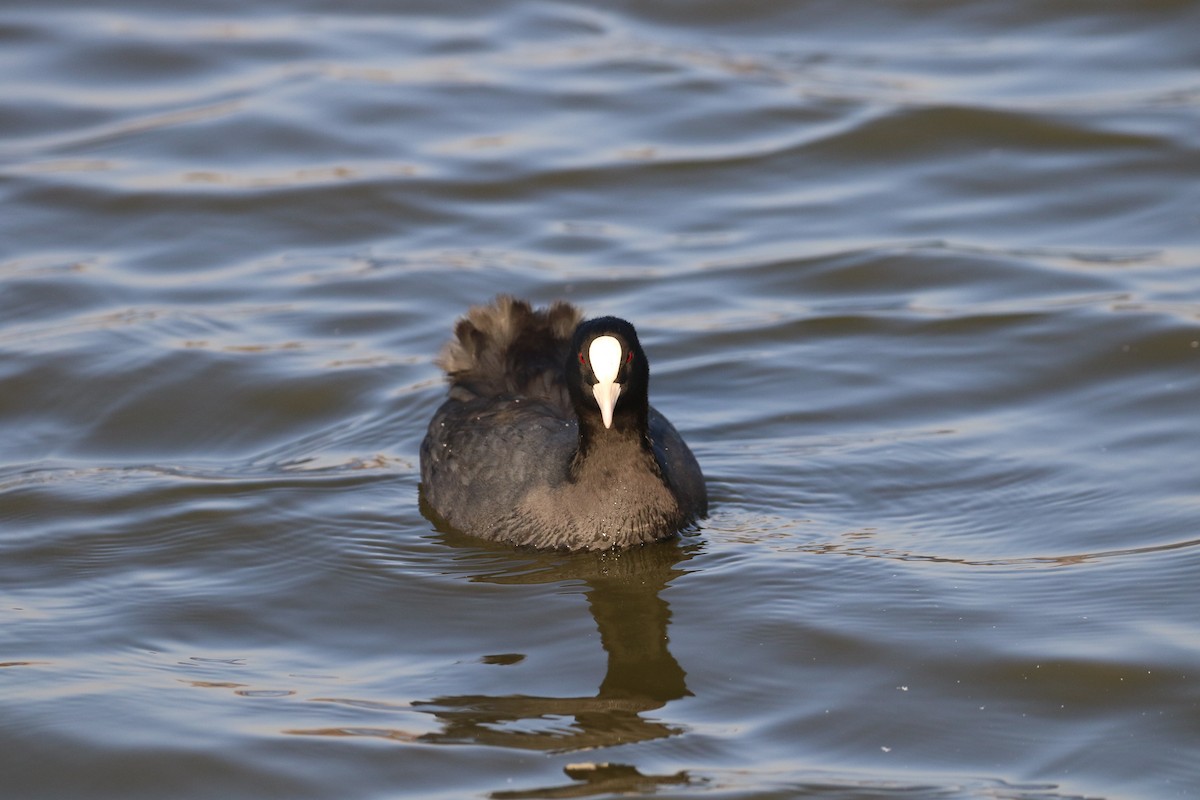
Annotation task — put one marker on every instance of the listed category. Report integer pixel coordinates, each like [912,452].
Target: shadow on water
[624,596]
[593,779]
[623,593]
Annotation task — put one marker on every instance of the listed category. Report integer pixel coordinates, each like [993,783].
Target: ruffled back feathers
[508,348]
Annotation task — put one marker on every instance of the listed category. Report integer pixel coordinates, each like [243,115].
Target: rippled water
[920,283]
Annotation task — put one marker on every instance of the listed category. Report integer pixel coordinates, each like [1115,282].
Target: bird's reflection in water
[593,779]
[623,593]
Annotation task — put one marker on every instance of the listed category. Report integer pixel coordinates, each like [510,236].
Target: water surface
[919,282]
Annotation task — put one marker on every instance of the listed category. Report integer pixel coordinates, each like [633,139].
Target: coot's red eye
[629,358]
[581,359]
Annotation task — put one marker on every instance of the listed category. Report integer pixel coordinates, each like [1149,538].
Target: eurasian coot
[548,439]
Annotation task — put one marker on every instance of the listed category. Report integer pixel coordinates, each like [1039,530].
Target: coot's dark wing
[481,458]
[508,427]
[680,467]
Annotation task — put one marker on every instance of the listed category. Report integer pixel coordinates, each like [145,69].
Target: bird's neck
[602,449]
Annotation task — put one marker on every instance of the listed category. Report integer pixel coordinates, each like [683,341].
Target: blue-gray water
[919,282]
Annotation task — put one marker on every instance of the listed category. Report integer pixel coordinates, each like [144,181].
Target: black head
[608,377]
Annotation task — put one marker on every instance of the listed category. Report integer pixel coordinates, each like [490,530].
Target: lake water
[919,282]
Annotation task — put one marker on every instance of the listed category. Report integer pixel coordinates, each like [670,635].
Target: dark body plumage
[519,451]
